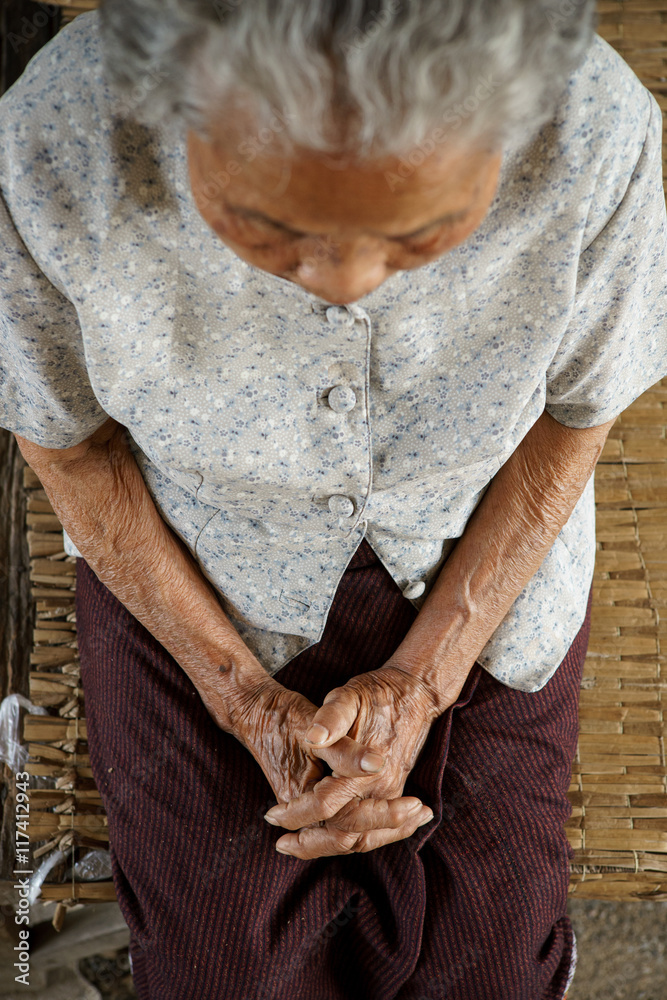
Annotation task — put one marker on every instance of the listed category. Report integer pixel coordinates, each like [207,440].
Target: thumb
[334,718]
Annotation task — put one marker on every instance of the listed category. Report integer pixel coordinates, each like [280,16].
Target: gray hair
[370,78]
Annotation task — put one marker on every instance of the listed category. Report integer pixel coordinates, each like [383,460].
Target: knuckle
[327,794]
[334,693]
[352,842]
[345,839]
[324,787]
[349,819]
[303,841]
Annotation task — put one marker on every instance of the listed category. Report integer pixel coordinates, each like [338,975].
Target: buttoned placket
[342,399]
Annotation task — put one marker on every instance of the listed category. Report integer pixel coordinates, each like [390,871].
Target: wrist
[442,683]
[442,644]
[230,681]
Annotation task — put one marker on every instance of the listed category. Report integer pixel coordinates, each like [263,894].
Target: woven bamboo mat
[618,827]
[70,8]
[70,817]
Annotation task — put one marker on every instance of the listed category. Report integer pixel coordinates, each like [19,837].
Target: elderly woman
[315,319]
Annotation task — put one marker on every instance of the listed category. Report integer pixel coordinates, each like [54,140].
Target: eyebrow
[253,213]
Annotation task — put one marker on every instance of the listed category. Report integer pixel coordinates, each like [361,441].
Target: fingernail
[371,762]
[317,734]
[426,819]
[282,850]
[272,820]
[415,806]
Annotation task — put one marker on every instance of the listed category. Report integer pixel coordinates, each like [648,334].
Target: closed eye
[247,227]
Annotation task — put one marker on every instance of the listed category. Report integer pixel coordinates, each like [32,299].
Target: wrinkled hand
[390,710]
[271,722]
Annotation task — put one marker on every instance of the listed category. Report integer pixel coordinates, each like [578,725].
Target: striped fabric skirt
[472,906]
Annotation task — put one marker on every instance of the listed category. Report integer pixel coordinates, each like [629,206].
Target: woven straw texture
[618,826]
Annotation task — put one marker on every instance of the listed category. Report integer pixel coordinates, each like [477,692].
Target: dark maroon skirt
[471,907]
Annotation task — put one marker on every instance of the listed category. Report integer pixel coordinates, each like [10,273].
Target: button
[341,398]
[339,316]
[341,505]
[414,590]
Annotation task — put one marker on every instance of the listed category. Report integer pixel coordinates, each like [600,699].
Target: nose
[343,275]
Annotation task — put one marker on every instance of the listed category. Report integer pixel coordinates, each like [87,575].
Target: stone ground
[622,955]
[110,972]
[622,950]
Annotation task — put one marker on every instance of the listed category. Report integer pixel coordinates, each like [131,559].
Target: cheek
[268,258]
[403,259]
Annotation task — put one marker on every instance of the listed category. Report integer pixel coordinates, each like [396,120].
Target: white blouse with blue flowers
[275,431]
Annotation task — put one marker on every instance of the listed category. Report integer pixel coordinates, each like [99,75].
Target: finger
[378,838]
[321,803]
[377,814]
[334,717]
[351,759]
[319,842]
[334,800]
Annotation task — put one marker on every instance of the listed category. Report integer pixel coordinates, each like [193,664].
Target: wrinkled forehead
[260,167]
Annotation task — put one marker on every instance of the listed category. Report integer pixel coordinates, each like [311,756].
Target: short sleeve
[45,394]
[615,346]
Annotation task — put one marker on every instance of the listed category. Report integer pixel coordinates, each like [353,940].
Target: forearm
[102,501]
[504,543]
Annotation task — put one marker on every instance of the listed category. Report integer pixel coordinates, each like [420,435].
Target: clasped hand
[389,712]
